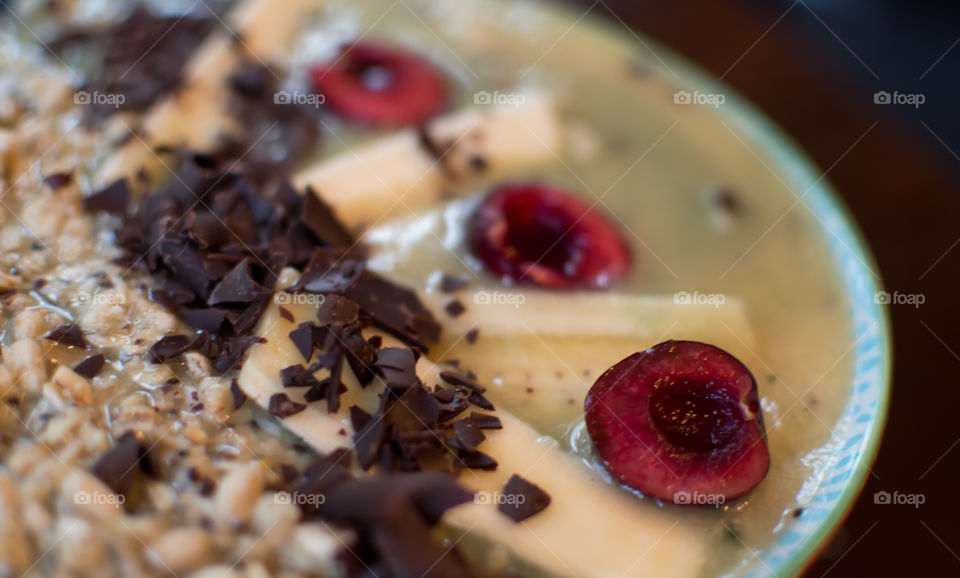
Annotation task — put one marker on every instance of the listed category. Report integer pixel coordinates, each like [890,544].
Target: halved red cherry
[538,234]
[380,85]
[680,422]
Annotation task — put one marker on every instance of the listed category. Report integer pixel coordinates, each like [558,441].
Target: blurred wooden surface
[901,183]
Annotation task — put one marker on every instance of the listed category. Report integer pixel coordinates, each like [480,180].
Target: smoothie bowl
[414,289]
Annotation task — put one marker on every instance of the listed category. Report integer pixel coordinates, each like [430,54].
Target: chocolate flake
[528,499]
[472,335]
[169,347]
[238,286]
[337,310]
[113,198]
[285,314]
[119,467]
[282,406]
[477,460]
[91,366]
[302,338]
[141,58]
[58,180]
[484,421]
[298,376]
[70,335]
[455,308]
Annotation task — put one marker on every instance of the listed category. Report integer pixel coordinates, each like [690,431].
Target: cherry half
[380,85]
[537,234]
[680,422]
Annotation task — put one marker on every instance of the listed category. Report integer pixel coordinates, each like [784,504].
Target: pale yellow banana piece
[591,528]
[397,175]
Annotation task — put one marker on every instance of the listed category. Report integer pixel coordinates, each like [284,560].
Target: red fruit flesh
[536,234]
[380,85]
[680,422]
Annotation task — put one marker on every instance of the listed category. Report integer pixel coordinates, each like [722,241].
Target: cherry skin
[380,85]
[530,233]
[680,420]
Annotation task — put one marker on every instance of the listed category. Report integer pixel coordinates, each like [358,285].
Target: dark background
[814,67]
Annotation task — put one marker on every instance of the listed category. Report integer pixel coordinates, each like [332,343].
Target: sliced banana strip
[401,173]
[591,528]
[196,115]
[541,352]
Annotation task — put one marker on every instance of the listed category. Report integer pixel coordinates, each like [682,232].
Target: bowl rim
[797,168]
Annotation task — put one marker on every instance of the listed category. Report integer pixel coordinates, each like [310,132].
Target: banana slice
[591,528]
[540,357]
[195,115]
[409,170]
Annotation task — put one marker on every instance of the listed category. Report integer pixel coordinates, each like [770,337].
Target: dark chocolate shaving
[58,180]
[472,335]
[114,198]
[455,308]
[171,346]
[141,58]
[91,366]
[484,421]
[282,406]
[298,376]
[302,338]
[337,310]
[238,286]
[120,466]
[522,499]
[70,335]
